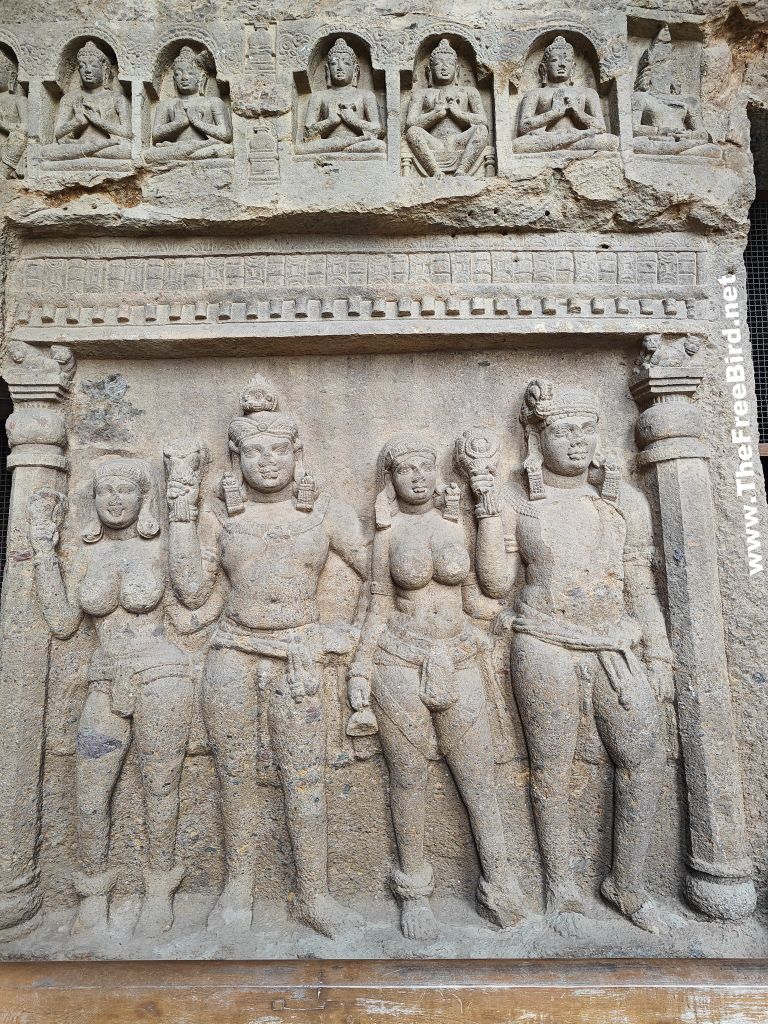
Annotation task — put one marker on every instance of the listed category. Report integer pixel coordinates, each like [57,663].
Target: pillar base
[720,898]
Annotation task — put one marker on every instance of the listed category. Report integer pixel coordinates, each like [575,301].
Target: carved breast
[116,579]
[427,548]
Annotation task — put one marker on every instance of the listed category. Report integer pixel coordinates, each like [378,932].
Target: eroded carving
[446,124]
[94,115]
[195,122]
[560,114]
[585,626]
[13,118]
[139,684]
[342,117]
[426,668]
[270,537]
[663,121]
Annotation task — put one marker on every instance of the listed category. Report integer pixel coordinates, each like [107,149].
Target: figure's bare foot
[565,908]
[417,920]
[234,907]
[93,910]
[327,916]
[641,910]
[156,914]
[439,175]
[502,905]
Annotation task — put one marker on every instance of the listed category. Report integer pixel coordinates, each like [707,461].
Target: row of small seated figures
[446,124]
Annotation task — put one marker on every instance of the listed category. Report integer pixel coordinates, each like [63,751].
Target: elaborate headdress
[138,472]
[90,49]
[558,45]
[394,449]
[11,67]
[542,404]
[261,415]
[342,47]
[655,64]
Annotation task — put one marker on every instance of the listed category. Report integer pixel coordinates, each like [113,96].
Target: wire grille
[756,260]
[5,475]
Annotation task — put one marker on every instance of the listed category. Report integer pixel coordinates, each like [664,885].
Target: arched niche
[584,81]
[67,84]
[167,98]
[317,95]
[418,91]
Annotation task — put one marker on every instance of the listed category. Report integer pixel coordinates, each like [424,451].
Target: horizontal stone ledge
[352,334]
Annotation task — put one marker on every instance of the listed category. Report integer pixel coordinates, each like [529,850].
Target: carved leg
[421,142]
[299,739]
[547,695]
[229,710]
[632,737]
[476,143]
[408,799]
[102,742]
[161,724]
[471,762]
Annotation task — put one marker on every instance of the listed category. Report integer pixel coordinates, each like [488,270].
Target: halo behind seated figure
[191,125]
[94,118]
[559,114]
[342,118]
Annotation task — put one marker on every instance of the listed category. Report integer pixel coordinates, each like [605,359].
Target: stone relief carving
[343,117]
[560,114]
[446,123]
[13,118]
[94,115]
[586,624]
[663,121]
[270,536]
[194,121]
[425,667]
[139,684]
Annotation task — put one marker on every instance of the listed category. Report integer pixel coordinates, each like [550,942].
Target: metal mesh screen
[5,476]
[756,259]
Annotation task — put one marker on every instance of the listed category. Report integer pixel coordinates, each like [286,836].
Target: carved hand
[46,514]
[662,679]
[176,489]
[502,624]
[482,483]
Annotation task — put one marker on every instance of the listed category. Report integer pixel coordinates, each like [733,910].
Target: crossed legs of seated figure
[161,724]
[547,692]
[431,152]
[233,684]
[470,760]
[112,149]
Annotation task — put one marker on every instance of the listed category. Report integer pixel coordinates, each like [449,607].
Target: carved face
[341,67]
[414,478]
[118,501]
[559,64]
[91,68]
[187,78]
[268,462]
[568,444]
[443,66]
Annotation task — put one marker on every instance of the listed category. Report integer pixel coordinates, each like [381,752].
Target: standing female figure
[420,660]
[138,681]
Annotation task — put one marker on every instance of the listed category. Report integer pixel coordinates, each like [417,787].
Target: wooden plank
[359,992]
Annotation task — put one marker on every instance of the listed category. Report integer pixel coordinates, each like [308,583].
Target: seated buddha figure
[94,118]
[663,121]
[446,123]
[559,114]
[191,125]
[342,118]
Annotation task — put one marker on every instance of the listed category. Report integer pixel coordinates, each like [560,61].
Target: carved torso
[457,96]
[428,561]
[272,556]
[109,104]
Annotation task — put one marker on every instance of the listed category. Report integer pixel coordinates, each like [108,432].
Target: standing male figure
[586,620]
[271,537]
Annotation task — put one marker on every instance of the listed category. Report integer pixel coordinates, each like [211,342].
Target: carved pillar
[719,882]
[38,382]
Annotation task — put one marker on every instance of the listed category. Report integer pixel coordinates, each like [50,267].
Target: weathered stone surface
[378,580]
